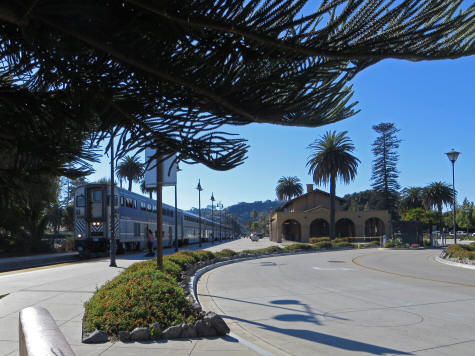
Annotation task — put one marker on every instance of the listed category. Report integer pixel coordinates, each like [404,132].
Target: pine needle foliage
[170,74]
[385,173]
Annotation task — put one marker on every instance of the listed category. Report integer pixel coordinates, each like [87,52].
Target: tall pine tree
[385,173]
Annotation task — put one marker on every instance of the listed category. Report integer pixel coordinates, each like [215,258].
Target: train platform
[13,263]
[63,289]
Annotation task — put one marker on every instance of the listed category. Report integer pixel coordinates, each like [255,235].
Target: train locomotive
[134,214]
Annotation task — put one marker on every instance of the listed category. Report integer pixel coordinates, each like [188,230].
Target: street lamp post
[198,187]
[220,206]
[176,210]
[453,155]
[212,217]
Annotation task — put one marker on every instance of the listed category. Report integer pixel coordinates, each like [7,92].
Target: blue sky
[431,102]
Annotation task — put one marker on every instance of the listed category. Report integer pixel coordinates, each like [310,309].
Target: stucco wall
[359,219]
[311,200]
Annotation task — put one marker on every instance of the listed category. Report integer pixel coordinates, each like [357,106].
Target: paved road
[371,302]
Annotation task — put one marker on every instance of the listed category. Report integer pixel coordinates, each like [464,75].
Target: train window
[122,201]
[97,195]
[143,206]
[116,200]
[149,207]
[135,204]
[154,208]
[80,202]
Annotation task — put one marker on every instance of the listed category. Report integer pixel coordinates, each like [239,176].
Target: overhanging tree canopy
[172,73]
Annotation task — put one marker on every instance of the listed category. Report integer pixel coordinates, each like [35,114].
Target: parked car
[254,237]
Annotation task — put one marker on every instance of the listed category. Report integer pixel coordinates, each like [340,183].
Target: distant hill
[243,210]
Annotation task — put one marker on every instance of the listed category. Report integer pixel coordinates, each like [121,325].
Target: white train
[134,214]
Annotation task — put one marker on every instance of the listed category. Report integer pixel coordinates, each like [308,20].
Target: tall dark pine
[385,173]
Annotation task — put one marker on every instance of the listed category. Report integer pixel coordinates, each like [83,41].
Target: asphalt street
[368,302]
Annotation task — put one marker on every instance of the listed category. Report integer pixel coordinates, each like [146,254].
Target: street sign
[168,171]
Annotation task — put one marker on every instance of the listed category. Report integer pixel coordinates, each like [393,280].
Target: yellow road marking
[409,276]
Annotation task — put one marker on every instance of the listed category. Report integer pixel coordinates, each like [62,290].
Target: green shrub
[372,243]
[314,240]
[389,244]
[182,259]
[426,242]
[270,249]
[225,253]
[138,299]
[460,251]
[250,252]
[342,244]
[341,239]
[203,255]
[172,268]
[322,245]
[298,246]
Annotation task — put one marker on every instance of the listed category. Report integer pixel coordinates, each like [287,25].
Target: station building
[308,215]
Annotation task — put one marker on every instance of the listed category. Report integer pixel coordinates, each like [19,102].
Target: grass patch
[3,295]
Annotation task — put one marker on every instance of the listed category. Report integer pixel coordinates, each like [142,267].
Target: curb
[453,264]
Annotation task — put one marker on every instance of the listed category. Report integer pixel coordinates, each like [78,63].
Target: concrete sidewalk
[12,263]
[64,289]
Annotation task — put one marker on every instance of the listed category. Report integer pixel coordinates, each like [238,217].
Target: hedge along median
[142,295]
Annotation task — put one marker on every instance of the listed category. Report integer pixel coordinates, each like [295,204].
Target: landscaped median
[460,253]
[143,303]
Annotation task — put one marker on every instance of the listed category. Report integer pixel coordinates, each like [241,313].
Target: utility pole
[112,203]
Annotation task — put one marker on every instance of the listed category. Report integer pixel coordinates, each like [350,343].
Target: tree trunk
[130,185]
[332,206]
[439,208]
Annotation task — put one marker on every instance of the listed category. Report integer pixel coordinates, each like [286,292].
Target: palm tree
[130,168]
[331,158]
[146,190]
[412,198]
[288,187]
[438,194]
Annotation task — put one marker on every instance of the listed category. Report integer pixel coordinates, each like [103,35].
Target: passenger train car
[134,214]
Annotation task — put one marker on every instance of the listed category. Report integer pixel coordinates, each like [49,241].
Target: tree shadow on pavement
[325,339]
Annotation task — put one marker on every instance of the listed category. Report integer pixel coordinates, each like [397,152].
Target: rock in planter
[140,334]
[96,337]
[197,307]
[204,328]
[124,336]
[217,322]
[188,330]
[173,332]
[155,330]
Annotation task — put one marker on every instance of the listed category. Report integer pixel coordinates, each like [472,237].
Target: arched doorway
[319,228]
[374,227]
[291,230]
[344,228]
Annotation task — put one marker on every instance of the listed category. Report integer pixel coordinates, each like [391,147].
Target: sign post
[162,174]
